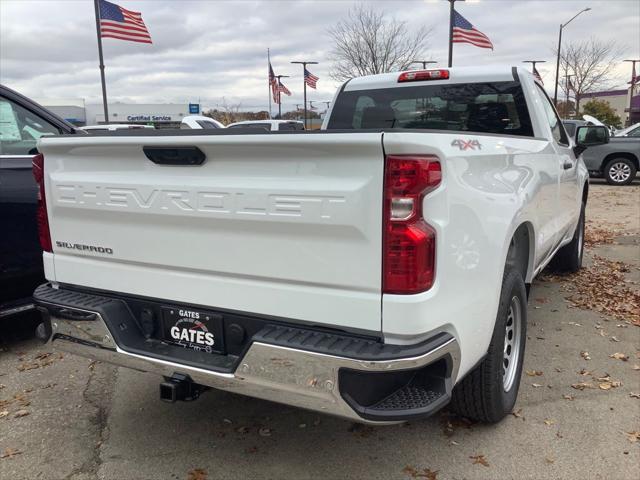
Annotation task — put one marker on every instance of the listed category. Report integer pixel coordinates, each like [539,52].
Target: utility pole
[562,25]
[304,81]
[451,12]
[423,62]
[280,94]
[634,80]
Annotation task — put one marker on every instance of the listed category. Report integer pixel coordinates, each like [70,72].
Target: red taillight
[41,211]
[409,242]
[421,75]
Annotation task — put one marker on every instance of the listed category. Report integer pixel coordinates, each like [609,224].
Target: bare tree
[369,42]
[591,63]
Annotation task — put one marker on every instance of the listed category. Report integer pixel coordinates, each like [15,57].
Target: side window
[557,130]
[20,129]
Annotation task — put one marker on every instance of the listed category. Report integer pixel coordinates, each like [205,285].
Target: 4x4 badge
[463,144]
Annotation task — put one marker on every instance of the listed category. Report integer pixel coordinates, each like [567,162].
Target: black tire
[481,395]
[620,171]
[569,258]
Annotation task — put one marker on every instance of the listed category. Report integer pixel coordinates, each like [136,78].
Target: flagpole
[104,85]
[269,80]
[451,2]
[304,83]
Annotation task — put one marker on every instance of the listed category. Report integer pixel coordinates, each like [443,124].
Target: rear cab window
[497,108]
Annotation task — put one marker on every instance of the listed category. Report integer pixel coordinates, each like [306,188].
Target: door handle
[568,165]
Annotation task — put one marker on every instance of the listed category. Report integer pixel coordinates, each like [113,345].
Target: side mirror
[590,136]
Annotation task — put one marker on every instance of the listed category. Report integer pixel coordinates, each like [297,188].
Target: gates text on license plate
[195,329]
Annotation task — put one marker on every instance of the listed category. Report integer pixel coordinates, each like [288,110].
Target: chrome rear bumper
[281,374]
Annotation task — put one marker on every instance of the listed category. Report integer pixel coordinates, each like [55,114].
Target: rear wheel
[569,258]
[620,171]
[489,392]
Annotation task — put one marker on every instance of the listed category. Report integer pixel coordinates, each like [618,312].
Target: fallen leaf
[453,442]
[575,324]
[479,459]
[21,413]
[517,413]
[568,397]
[28,366]
[536,385]
[10,452]
[197,474]
[549,422]
[414,473]
[633,437]
[264,432]
[634,395]
[585,355]
[549,460]
[534,373]
[302,425]
[582,385]
[636,367]
[584,372]
[242,430]
[614,338]
[409,470]
[4,413]
[619,356]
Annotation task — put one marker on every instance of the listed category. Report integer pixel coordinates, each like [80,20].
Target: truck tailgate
[285,225]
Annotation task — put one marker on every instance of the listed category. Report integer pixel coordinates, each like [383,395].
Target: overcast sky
[208,49]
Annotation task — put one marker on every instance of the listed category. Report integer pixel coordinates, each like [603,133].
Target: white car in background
[112,127]
[200,122]
[271,125]
[632,131]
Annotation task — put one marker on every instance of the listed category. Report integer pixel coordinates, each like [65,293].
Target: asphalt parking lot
[577,416]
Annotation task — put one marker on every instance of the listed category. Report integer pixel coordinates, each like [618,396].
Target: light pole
[423,62]
[562,25]
[304,81]
[280,94]
[633,84]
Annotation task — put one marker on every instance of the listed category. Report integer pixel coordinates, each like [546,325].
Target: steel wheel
[511,352]
[619,172]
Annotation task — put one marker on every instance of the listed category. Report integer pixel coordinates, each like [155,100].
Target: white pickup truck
[376,270]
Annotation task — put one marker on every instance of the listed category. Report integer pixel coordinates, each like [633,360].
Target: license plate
[196,329]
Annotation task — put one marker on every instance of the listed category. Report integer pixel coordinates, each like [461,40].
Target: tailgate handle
[175,155]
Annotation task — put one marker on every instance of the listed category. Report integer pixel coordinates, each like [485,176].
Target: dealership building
[628,109]
[161,115]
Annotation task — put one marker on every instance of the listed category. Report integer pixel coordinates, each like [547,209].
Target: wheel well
[585,192]
[627,155]
[519,252]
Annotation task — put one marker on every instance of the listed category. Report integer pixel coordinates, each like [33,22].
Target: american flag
[123,24]
[464,32]
[310,79]
[273,81]
[537,75]
[282,89]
